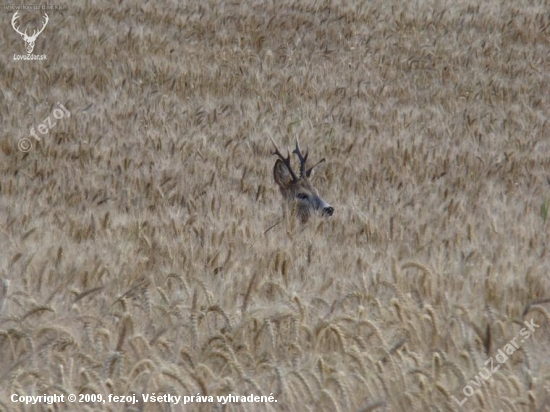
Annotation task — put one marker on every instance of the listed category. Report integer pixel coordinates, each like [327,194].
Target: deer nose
[328,211]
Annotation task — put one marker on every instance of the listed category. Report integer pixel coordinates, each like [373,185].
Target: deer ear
[281,174]
[310,170]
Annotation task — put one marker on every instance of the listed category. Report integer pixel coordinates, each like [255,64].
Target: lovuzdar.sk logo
[29,40]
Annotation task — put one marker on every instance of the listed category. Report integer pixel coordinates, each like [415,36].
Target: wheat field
[143,248]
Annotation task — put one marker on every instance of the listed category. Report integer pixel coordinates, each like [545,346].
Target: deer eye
[302,196]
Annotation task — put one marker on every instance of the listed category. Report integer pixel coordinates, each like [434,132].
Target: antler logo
[29,40]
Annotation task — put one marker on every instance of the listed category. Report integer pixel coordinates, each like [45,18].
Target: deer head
[29,40]
[299,189]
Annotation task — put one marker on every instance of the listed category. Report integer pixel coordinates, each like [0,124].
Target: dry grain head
[297,190]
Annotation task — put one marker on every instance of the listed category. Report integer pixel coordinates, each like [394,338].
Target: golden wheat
[143,245]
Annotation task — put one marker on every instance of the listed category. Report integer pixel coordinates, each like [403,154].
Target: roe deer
[298,189]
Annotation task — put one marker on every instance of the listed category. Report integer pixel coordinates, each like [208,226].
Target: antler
[302,158]
[13,19]
[285,160]
[35,32]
